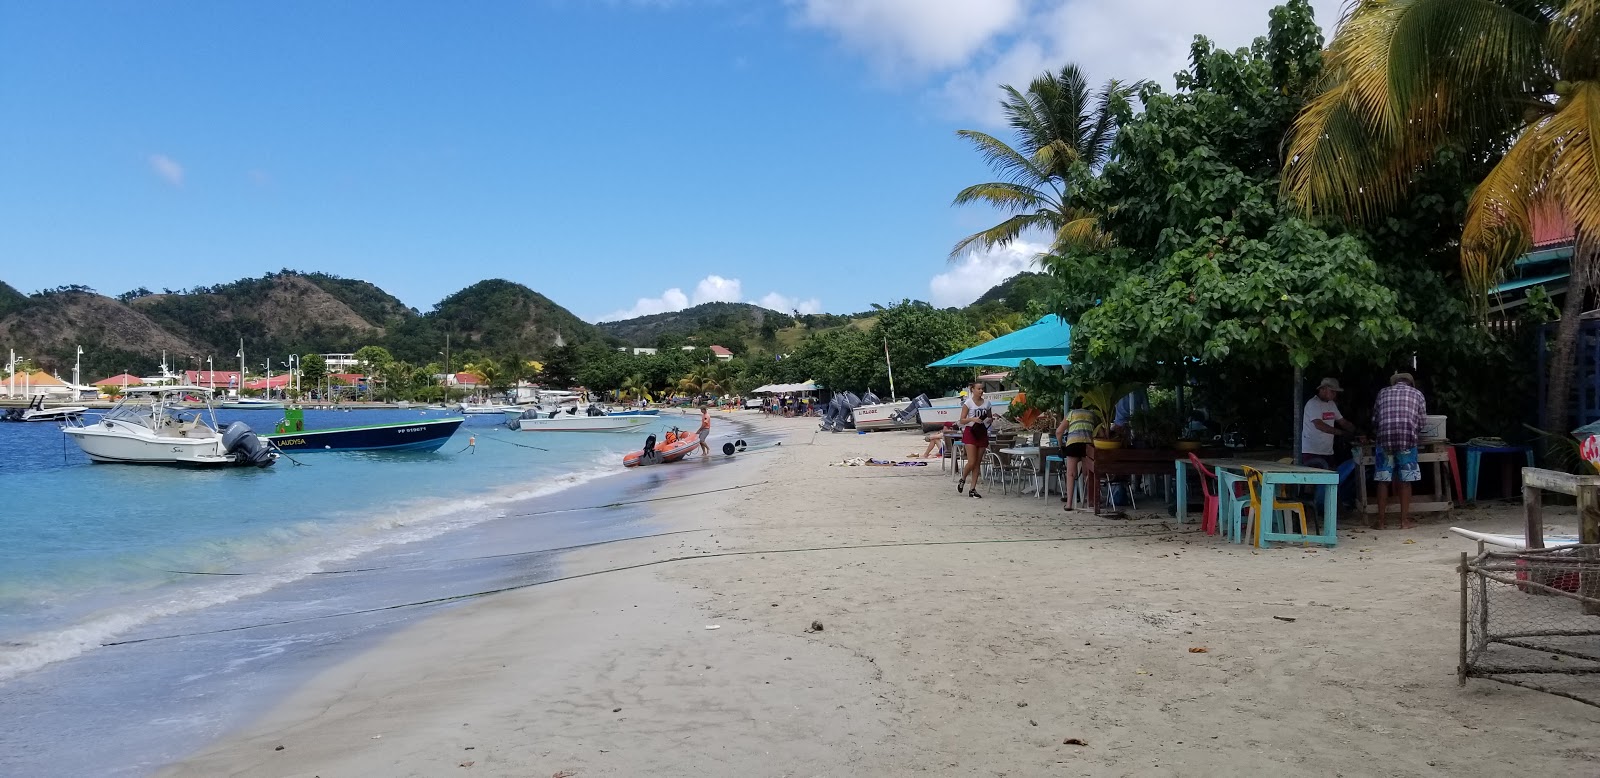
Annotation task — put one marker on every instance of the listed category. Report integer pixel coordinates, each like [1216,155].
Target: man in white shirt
[1322,422]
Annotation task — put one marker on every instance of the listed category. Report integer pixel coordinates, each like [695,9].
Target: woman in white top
[976,414]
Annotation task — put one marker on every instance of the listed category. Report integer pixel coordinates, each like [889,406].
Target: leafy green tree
[313,369]
[1206,260]
[1407,79]
[1064,132]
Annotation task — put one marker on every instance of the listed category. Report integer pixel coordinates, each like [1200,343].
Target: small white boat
[149,426]
[37,412]
[252,404]
[552,420]
[484,409]
[947,410]
[882,416]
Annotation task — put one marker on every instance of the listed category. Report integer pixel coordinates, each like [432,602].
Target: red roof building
[721,353]
[209,378]
[126,379]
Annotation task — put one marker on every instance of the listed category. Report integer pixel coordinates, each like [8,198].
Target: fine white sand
[959,637]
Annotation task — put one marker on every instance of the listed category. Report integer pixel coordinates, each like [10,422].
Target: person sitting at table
[1075,433]
[936,440]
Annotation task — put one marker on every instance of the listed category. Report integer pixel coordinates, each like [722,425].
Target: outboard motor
[246,446]
[870,399]
[908,414]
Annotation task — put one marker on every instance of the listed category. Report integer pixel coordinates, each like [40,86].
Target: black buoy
[727,448]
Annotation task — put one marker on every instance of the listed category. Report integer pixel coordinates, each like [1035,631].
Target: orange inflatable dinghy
[674,447]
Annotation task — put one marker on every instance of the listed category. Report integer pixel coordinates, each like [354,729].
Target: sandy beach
[1000,636]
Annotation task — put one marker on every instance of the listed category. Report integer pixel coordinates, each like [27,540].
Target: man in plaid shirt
[1398,414]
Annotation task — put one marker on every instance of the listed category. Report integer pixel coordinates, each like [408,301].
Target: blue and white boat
[421,435]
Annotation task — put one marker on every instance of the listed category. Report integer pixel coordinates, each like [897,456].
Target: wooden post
[1461,669]
[1533,511]
[1589,514]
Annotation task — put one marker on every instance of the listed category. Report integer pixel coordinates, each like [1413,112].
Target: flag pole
[890,363]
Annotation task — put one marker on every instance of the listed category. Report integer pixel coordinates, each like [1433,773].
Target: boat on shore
[676,445]
[426,435]
[484,409]
[251,404]
[947,410]
[37,412]
[151,426]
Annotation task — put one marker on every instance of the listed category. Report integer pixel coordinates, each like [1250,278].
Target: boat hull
[564,422]
[106,447]
[665,452]
[881,417]
[250,406]
[952,414]
[399,436]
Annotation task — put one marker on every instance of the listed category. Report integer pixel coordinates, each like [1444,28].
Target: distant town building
[638,352]
[721,353]
[340,362]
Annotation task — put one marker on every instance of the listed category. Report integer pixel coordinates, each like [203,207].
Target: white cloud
[711,289]
[967,48]
[671,300]
[978,271]
[786,304]
[919,34]
[716,289]
[168,168]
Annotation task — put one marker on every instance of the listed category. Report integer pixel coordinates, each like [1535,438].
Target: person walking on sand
[1075,433]
[1398,414]
[705,430]
[974,423]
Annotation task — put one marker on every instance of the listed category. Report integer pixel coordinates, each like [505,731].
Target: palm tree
[489,373]
[1063,134]
[1404,78]
[634,387]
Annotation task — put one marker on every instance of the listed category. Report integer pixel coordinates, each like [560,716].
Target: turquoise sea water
[97,554]
[84,538]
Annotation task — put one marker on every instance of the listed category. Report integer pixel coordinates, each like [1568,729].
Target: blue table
[1475,453]
[1273,475]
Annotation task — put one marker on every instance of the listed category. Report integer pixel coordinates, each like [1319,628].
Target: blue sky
[621,157]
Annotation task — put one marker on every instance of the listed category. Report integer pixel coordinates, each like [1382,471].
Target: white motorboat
[149,426]
[884,416]
[252,404]
[947,410]
[37,412]
[484,409]
[572,420]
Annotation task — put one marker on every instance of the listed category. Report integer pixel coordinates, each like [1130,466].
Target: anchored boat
[37,412]
[425,435]
[151,426]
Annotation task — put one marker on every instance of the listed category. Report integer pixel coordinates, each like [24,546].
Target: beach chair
[1278,507]
[1210,520]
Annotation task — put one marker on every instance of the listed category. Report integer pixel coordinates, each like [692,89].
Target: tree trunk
[1299,412]
[1562,365]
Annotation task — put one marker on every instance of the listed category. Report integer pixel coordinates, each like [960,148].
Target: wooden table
[1124,461]
[1438,453]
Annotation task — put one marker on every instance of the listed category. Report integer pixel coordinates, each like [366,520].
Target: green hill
[712,323]
[279,313]
[494,317]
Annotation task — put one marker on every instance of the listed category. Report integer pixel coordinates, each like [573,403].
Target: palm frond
[1499,220]
[1003,234]
[1081,234]
[1004,160]
[1574,130]
[1401,77]
[1009,197]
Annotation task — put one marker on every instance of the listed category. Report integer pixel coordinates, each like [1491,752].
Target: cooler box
[1433,428]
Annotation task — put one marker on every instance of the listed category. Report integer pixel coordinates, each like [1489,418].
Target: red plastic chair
[1209,522]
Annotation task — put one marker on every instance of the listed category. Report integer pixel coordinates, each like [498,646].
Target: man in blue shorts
[1398,414]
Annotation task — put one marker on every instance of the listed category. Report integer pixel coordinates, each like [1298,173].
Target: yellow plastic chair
[1254,477]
